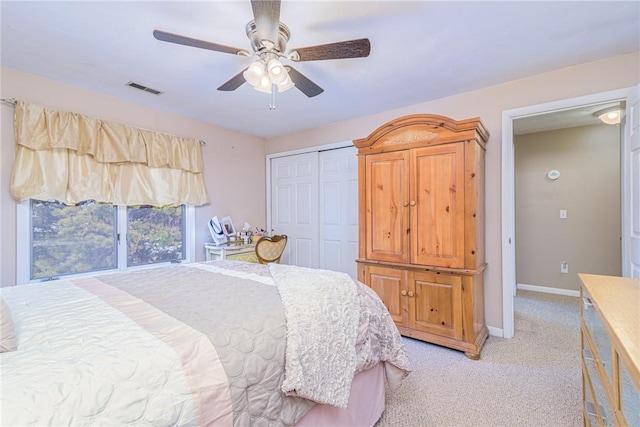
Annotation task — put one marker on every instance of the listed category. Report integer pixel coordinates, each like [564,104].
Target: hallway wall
[588,158]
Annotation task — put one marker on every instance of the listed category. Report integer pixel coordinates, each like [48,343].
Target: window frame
[23,243]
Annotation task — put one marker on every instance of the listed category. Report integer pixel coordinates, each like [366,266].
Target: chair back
[270,249]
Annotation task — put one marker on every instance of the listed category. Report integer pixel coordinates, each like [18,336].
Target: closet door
[338,210]
[294,206]
[314,201]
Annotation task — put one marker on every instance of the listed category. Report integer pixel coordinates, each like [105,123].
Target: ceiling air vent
[144,88]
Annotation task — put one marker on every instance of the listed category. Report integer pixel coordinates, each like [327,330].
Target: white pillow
[7,329]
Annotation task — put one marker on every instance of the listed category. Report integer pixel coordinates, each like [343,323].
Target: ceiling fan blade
[305,85]
[359,48]
[266,14]
[188,41]
[234,83]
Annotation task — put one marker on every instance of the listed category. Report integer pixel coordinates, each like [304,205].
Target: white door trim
[508,197]
[331,146]
[631,187]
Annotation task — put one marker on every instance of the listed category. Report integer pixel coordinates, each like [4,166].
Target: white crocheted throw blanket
[322,311]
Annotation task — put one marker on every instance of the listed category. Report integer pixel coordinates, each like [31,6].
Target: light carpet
[533,379]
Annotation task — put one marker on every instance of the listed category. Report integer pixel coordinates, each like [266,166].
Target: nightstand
[230,252]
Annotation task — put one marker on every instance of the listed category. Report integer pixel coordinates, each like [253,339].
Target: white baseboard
[548,290]
[495,332]
[499,332]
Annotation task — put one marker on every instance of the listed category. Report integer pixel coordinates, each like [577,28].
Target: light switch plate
[563,213]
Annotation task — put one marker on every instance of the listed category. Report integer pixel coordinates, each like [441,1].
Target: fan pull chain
[272,96]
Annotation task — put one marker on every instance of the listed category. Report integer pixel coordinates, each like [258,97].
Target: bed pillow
[7,329]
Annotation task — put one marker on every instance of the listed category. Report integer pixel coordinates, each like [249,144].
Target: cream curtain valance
[71,158]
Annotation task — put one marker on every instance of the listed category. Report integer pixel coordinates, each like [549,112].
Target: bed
[214,343]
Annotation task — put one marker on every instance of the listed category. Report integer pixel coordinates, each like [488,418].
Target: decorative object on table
[227,226]
[217,231]
[245,234]
[256,235]
[270,249]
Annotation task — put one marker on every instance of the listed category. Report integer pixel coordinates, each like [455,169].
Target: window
[72,239]
[155,234]
[90,237]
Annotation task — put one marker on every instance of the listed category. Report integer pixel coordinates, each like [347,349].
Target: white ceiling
[420,51]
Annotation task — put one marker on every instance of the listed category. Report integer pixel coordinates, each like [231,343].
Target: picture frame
[227,226]
[217,231]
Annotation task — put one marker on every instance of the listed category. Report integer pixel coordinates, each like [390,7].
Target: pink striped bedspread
[194,344]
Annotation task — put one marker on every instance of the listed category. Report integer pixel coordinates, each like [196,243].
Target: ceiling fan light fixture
[269,38]
[257,68]
[267,76]
[277,72]
[255,73]
[286,84]
[264,85]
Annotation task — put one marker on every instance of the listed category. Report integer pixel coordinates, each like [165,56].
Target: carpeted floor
[533,379]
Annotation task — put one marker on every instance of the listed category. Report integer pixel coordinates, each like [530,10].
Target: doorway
[567,198]
[508,187]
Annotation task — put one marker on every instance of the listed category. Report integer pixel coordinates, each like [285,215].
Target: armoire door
[437,205]
[294,206]
[387,206]
[391,285]
[435,304]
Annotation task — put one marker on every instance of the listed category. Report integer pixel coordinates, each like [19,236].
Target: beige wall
[246,198]
[234,163]
[588,159]
[488,104]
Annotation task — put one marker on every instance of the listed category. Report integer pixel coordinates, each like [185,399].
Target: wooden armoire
[421,226]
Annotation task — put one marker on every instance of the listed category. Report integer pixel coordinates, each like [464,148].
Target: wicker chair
[270,249]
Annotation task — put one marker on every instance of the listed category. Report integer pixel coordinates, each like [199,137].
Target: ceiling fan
[269,39]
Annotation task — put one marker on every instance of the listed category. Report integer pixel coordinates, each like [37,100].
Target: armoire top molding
[424,127]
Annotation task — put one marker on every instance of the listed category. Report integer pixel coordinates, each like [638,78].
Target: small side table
[230,252]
